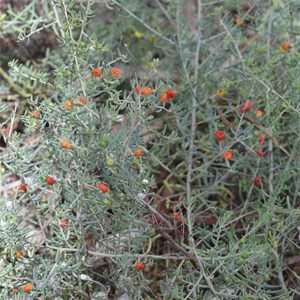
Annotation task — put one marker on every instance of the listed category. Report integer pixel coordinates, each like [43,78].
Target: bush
[164,169]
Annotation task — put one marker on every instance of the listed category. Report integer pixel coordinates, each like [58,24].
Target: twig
[57,19]
[143,23]
[186,253]
[16,87]
[264,130]
[270,142]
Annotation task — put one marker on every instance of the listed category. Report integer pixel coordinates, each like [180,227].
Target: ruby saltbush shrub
[153,154]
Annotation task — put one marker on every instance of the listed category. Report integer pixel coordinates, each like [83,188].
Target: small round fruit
[103,188]
[110,162]
[19,254]
[284,46]
[27,287]
[49,180]
[146,91]
[106,202]
[68,105]
[227,155]
[145,182]
[22,188]
[163,98]
[239,21]
[115,72]
[138,152]
[82,101]
[259,152]
[5,131]
[219,134]
[139,266]
[63,224]
[96,72]
[176,216]
[220,93]
[66,145]
[256,181]
[137,90]
[35,114]
[170,94]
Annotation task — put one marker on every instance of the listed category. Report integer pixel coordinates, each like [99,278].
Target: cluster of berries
[220,135]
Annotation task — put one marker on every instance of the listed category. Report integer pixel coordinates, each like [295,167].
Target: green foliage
[111,206]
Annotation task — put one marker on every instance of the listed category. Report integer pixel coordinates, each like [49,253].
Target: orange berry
[115,72]
[35,114]
[227,155]
[163,98]
[137,90]
[82,101]
[96,72]
[239,21]
[19,254]
[63,224]
[284,46]
[27,287]
[139,266]
[66,145]
[259,113]
[146,91]
[138,152]
[68,105]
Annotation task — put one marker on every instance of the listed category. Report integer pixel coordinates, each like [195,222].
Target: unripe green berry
[110,162]
[106,202]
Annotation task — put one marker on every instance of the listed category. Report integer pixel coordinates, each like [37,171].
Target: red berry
[5,131]
[139,266]
[246,106]
[22,188]
[137,90]
[261,139]
[176,216]
[96,72]
[219,134]
[63,224]
[256,181]
[49,180]
[82,101]
[259,152]
[103,187]
[170,94]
